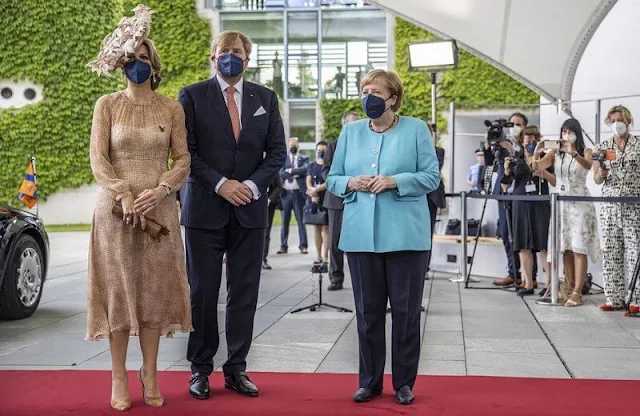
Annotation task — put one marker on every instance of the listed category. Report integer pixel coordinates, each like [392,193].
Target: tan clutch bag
[154,227]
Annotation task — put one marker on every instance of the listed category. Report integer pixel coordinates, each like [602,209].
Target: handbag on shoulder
[154,227]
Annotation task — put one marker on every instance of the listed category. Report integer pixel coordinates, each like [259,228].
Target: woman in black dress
[315,190]
[530,219]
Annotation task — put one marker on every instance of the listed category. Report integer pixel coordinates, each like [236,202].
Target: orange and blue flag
[28,190]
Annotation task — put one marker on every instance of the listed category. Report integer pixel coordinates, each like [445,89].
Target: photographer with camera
[617,170]
[530,220]
[497,149]
[579,235]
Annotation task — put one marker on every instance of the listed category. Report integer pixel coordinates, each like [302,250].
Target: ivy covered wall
[473,82]
[50,43]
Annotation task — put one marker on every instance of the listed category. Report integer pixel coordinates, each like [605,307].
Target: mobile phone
[551,144]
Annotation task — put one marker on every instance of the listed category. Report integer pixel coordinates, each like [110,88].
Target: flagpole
[35,180]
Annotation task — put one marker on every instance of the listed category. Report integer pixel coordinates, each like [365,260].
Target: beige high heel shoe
[149,401]
[120,405]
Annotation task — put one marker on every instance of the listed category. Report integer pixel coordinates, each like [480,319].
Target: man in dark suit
[435,200]
[335,207]
[274,191]
[294,184]
[237,146]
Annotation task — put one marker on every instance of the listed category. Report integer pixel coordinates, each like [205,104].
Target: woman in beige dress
[137,284]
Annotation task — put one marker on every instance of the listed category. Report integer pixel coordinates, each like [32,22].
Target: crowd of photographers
[522,163]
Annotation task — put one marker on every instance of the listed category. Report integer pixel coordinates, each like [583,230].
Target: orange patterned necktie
[233,111]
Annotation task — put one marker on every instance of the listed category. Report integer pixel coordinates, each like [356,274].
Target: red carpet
[87,393]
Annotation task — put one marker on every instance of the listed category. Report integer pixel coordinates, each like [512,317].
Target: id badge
[564,187]
[531,187]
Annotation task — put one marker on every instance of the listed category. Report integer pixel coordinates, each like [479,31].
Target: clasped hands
[373,184]
[134,211]
[237,193]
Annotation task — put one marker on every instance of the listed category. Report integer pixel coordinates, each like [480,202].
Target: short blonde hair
[229,37]
[389,80]
[624,111]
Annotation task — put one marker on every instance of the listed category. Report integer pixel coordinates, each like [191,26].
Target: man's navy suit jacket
[258,154]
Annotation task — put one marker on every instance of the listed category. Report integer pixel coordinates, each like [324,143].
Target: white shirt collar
[224,84]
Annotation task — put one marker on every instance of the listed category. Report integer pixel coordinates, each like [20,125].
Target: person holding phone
[620,224]
[579,236]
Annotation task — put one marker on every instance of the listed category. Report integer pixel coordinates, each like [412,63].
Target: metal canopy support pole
[434,122]
[452,153]
[598,115]
[554,229]
[463,262]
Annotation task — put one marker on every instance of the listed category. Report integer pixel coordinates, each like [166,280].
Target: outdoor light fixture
[436,56]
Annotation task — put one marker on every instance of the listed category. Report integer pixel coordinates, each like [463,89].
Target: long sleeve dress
[135,281]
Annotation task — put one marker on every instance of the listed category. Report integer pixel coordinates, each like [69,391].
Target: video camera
[320,268]
[602,157]
[495,135]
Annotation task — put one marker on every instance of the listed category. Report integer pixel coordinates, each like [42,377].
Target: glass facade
[306,50]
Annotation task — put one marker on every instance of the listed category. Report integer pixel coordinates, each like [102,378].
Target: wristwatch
[167,188]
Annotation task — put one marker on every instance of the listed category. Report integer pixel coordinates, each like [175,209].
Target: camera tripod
[314,307]
[632,287]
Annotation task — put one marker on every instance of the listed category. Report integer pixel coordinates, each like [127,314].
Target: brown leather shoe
[507,281]
[304,251]
[283,250]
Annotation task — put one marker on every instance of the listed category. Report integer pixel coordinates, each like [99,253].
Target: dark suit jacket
[275,190]
[257,155]
[330,200]
[438,196]
[302,170]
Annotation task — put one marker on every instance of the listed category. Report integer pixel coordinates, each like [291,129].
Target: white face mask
[570,137]
[514,131]
[618,128]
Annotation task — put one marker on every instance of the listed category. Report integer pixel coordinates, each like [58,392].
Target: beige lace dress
[135,281]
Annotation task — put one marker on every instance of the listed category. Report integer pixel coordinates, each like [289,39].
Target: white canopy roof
[538,42]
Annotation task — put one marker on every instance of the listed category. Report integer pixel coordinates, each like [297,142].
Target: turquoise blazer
[395,219]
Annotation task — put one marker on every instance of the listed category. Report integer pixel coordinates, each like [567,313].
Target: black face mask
[293,150]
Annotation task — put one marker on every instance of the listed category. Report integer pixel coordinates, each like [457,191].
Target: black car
[24,256]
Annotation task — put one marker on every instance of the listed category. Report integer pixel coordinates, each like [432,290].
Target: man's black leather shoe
[404,395]
[364,395]
[266,265]
[335,286]
[241,383]
[199,386]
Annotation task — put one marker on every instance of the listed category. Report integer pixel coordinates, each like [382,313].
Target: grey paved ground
[466,331]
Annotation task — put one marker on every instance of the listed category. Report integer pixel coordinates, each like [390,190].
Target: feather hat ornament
[123,42]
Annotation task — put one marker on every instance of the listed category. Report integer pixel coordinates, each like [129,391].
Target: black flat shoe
[241,383]
[404,395]
[266,265]
[199,386]
[335,286]
[526,292]
[365,395]
[543,292]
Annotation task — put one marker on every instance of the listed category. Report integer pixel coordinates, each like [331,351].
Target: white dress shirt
[292,184]
[238,97]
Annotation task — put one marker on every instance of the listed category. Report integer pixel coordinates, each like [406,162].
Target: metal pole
[452,152]
[463,234]
[554,248]
[35,180]
[598,115]
[434,122]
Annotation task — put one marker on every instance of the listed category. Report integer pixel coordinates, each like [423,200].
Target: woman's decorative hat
[123,42]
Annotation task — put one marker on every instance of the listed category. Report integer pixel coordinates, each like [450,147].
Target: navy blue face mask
[374,106]
[137,71]
[230,65]
[531,147]
[320,154]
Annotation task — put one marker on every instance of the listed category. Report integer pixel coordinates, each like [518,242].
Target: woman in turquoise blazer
[383,167]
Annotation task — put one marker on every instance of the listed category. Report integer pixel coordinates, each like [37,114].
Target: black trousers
[398,277]
[267,232]
[336,263]
[433,212]
[292,201]
[205,249]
